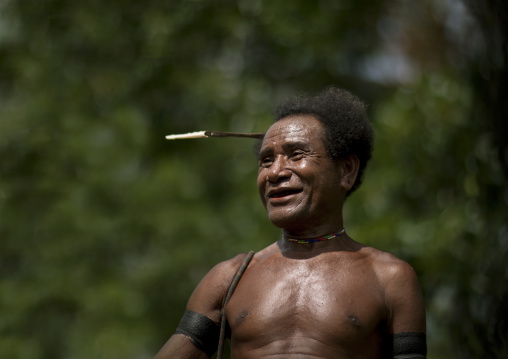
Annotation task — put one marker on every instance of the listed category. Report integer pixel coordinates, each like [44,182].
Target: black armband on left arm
[409,345]
[203,331]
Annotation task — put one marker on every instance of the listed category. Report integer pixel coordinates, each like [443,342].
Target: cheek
[260,179]
[261,183]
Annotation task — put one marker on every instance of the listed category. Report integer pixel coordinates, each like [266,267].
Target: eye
[265,162]
[297,155]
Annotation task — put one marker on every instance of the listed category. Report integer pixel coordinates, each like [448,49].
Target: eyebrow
[296,144]
[264,152]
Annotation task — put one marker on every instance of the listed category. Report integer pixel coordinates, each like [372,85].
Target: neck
[313,240]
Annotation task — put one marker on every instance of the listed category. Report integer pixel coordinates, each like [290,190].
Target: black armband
[409,345]
[203,331]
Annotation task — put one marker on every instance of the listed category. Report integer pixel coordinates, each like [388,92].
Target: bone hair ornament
[206,134]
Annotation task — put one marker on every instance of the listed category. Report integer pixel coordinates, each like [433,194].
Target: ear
[349,167]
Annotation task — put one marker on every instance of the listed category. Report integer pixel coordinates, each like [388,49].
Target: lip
[281,194]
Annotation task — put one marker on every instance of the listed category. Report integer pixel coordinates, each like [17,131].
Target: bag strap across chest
[232,287]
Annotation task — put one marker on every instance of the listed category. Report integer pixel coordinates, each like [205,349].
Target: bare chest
[327,300]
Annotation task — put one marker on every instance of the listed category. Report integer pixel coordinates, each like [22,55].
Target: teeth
[282,194]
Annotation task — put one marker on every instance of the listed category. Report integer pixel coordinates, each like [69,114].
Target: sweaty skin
[334,299]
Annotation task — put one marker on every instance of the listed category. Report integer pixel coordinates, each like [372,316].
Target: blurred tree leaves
[105,228]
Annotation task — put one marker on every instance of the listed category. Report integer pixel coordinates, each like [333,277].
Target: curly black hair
[344,116]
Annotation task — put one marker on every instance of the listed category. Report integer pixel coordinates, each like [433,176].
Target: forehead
[297,128]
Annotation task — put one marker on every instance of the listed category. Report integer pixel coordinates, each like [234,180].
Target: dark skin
[331,299]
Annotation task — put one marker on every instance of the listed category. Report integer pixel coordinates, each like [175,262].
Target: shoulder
[388,268]
[396,278]
[209,294]
[401,291]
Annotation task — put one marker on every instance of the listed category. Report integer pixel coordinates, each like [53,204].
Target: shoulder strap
[231,289]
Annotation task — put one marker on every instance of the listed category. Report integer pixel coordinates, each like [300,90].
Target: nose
[278,170]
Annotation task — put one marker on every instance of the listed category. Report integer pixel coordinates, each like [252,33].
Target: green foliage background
[105,227]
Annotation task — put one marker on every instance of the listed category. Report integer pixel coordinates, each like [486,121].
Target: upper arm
[404,299]
[209,294]
[207,300]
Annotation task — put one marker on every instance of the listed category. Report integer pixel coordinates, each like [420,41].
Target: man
[316,292]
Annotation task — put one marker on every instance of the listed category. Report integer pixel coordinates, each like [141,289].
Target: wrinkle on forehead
[294,128]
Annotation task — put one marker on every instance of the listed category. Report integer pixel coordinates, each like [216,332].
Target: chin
[284,222]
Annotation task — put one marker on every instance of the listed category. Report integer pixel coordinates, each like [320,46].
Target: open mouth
[284,193]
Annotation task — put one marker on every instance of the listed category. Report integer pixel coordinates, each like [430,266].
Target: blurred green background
[106,227]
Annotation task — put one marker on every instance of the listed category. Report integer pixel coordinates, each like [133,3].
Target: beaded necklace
[313,240]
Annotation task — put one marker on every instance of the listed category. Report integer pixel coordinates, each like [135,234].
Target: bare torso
[336,299]
[328,305]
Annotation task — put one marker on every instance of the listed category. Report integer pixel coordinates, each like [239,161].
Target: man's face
[298,182]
